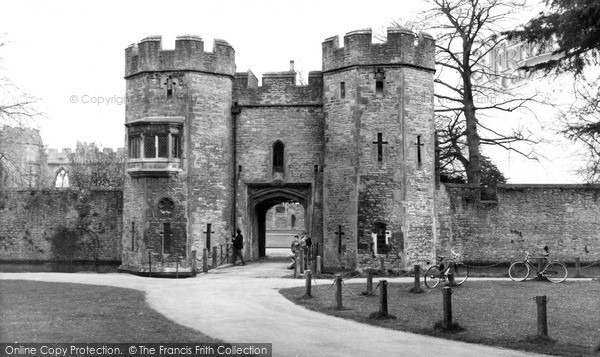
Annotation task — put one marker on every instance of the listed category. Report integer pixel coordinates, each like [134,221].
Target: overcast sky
[70,52]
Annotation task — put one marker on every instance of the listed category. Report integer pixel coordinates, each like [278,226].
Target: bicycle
[555,271]
[441,272]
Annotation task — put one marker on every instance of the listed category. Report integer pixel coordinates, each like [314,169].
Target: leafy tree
[467,90]
[490,174]
[574,25]
[92,168]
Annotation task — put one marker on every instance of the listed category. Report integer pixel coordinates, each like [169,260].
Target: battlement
[53,156]
[278,88]
[188,55]
[403,47]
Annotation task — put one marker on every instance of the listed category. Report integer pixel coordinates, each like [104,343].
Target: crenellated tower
[210,151]
[178,137]
[379,142]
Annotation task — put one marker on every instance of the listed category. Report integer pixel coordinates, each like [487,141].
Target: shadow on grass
[495,313]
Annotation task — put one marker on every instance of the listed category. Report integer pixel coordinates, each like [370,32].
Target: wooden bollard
[451,275]
[369,281]
[383,301]
[447,307]
[382,265]
[194,260]
[319,264]
[417,287]
[338,292]
[301,261]
[150,263]
[215,258]
[308,276]
[542,317]
[577,268]
[205,260]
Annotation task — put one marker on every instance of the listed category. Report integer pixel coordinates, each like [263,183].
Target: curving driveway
[242,304]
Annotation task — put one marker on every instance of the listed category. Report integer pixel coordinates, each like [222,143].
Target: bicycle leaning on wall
[555,271]
[440,272]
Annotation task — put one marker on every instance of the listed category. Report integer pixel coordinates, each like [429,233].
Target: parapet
[188,55]
[402,47]
[53,156]
[278,88]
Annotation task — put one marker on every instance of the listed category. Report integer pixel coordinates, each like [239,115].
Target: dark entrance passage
[264,198]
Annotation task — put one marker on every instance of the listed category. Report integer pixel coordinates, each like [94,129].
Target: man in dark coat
[238,245]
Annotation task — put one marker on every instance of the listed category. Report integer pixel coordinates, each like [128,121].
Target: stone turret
[189,55]
[378,175]
[178,122]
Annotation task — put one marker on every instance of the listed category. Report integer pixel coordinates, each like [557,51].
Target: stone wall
[566,218]
[22,158]
[285,216]
[60,225]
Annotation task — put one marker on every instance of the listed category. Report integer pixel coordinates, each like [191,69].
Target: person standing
[295,247]
[238,245]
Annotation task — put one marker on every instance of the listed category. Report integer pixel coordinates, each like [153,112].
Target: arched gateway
[210,151]
[262,197]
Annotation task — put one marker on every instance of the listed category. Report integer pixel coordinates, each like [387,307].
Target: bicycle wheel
[432,277]
[518,271]
[556,272]
[461,273]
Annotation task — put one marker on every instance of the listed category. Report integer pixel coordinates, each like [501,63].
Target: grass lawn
[32,311]
[491,312]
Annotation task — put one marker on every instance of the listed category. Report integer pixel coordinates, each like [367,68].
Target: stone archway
[263,197]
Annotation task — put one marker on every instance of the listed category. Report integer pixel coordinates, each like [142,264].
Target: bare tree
[471,90]
[18,110]
[581,123]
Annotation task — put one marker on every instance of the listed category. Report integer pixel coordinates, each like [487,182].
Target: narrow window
[167,238]
[379,89]
[293,221]
[278,150]
[134,147]
[169,84]
[62,179]
[163,146]
[133,236]
[176,149]
[150,147]
[343,90]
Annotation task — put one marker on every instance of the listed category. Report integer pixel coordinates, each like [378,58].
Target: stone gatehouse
[210,151]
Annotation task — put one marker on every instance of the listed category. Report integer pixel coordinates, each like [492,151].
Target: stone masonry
[211,151]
